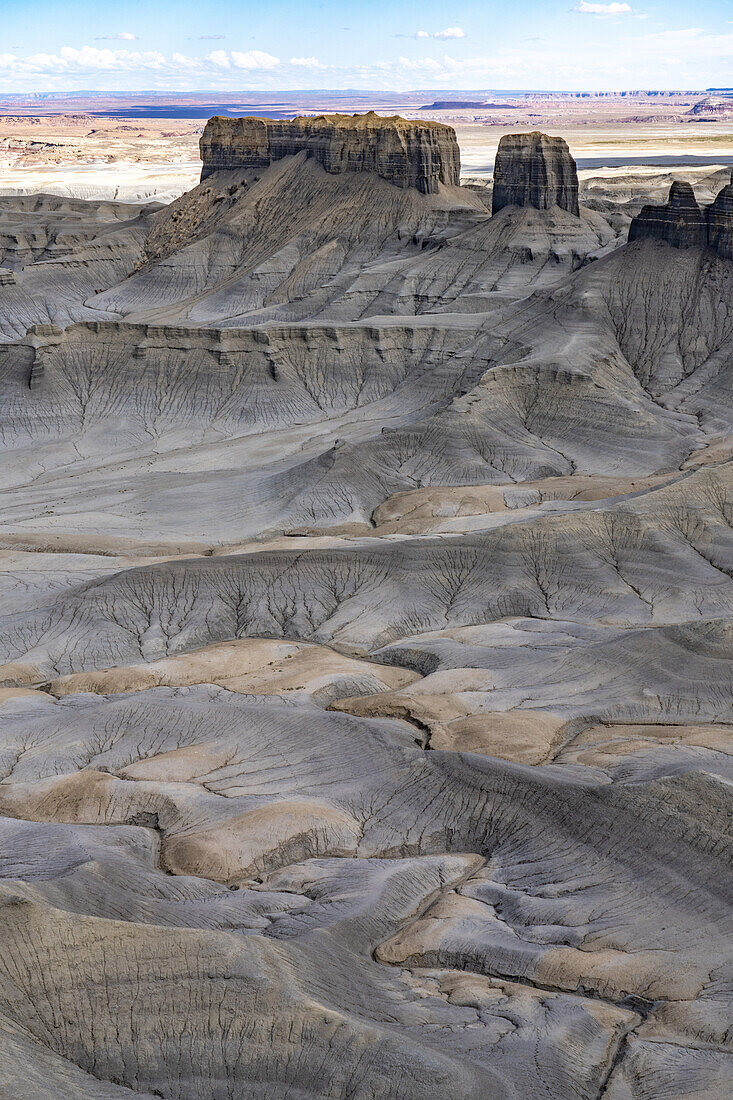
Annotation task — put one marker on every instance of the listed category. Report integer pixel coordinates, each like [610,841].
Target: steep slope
[291,241]
[56,253]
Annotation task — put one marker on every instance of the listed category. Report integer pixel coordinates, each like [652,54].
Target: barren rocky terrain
[366,633]
[136,148]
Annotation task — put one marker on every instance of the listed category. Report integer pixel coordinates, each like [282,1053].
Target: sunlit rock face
[535,170]
[407,154]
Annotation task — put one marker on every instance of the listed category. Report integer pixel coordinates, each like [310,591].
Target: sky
[220,45]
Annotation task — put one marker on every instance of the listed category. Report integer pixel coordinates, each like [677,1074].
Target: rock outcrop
[711,108]
[720,222]
[407,154]
[535,170]
[682,223]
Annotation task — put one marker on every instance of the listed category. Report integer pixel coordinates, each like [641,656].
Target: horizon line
[463,92]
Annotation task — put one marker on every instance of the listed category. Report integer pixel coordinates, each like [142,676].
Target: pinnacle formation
[682,223]
[535,170]
[407,154]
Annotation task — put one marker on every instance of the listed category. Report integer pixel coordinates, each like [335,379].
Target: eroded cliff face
[720,222]
[682,223]
[407,154]
[535,170]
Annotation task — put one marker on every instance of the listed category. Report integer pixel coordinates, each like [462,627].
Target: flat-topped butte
[535,170]
[422,155]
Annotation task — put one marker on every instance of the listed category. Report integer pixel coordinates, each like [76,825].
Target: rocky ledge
[535,170]
[407,154]
[682,223]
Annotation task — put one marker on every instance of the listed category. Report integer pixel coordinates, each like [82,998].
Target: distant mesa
[535,170]
[711,106]
[407,154]
[682,223]
[461,105]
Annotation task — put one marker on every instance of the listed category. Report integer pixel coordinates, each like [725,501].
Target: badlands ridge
[366,632]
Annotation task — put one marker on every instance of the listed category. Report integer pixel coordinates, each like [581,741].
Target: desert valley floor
[366,550]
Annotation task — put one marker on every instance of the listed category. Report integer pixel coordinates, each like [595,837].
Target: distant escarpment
[682,223]
[535,170]
[459,104]
[407,154]
[711,107]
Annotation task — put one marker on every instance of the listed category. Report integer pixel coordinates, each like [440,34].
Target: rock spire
[682,223]
[535,170]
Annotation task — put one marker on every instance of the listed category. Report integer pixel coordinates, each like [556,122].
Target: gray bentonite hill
[366,635]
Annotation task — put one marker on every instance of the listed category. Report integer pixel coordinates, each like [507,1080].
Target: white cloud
[686,57]
[121,36]
[91,60]
[87,60]
[308,63]
[183,62]
[219,58]
[254,59]
[613,8]
[449,32]
[425,64]
[693,41]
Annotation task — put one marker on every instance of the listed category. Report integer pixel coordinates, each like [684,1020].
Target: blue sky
[57,45]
